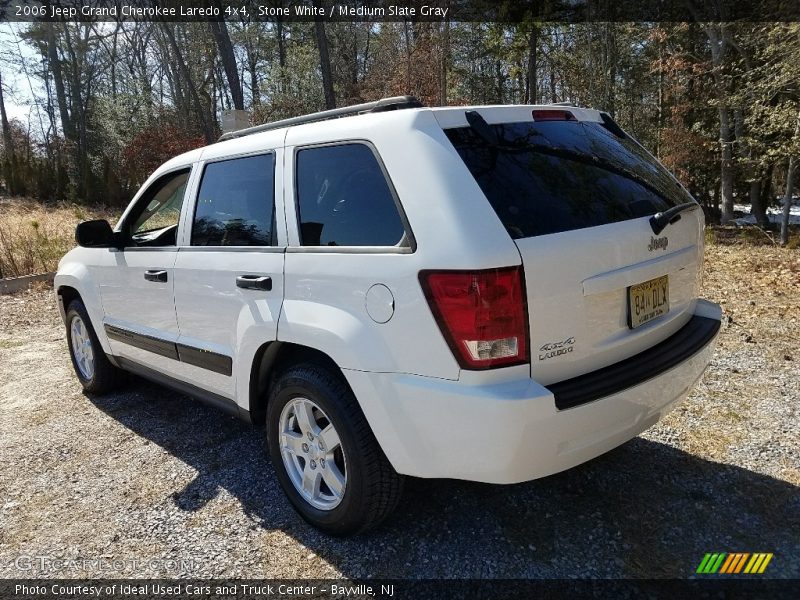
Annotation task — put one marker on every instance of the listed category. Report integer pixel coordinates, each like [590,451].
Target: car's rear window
[553,176]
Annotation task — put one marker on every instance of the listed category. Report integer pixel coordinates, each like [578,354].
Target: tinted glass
[547,177]
[344,200]
[235,203]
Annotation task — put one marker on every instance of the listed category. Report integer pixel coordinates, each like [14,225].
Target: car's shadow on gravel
[643,510]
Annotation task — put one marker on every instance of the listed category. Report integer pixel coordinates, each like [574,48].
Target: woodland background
[717,103]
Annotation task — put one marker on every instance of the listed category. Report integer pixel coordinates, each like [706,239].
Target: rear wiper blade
[482,129]
[661,219]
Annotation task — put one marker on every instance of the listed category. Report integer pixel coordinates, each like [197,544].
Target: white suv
[490,293]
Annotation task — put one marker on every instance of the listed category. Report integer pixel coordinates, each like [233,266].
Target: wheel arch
[66,294]
[269,360]
[74,281]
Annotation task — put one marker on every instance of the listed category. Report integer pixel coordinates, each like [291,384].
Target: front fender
[73,272]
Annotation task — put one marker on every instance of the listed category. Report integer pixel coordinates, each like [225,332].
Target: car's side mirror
[95,234]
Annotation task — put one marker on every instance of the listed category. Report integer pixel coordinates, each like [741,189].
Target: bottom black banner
[401,589]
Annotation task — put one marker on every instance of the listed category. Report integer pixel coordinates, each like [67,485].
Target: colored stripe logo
[734,562]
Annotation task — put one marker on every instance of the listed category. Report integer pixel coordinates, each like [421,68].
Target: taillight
[482,315]
[552,115]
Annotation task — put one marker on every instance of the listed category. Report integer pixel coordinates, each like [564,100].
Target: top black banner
[375,11]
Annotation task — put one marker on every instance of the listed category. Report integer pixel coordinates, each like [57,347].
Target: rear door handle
[254,282]
[155,276]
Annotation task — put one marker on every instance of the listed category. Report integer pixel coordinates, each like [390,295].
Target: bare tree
[9,162]
[58,80]
[717,37]
[531,84]
[220,31]
[444,62]
[325,63]
[787,196]
[208,128]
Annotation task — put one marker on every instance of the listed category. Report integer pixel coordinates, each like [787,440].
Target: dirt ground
[159,484]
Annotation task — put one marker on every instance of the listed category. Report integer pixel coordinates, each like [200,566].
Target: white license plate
[647,301]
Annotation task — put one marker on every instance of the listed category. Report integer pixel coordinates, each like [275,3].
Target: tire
[371,488]
[98,375]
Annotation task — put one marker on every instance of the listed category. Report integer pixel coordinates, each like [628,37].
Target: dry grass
[758,286]
[33,236]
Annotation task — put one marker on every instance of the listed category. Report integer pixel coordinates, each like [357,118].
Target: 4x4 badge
[552,349]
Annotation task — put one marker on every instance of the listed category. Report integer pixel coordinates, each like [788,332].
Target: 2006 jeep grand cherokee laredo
[490,293]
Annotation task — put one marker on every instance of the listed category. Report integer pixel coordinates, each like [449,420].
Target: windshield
[553,176]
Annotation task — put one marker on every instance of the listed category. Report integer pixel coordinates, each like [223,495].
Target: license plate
[648,301]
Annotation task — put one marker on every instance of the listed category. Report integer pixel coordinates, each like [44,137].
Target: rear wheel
[327,459]
[95,372]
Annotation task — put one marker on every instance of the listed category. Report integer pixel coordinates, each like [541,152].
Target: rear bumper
[512,431]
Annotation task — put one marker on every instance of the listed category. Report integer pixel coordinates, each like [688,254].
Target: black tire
[105,377]
[372,489]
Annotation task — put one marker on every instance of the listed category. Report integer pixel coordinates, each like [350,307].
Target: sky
[16,84]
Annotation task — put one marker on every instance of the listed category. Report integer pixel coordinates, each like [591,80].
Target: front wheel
[326,457]
[95,372]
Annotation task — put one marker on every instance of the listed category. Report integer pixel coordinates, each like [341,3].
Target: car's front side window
[155,219]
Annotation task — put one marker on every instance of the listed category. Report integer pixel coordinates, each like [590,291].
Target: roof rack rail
[383,105]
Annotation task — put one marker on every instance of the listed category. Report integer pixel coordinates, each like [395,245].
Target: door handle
[254,282]
[155,276]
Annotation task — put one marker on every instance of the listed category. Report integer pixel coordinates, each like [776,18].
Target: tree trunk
[363,74]
[717,42]
[114,60]
[500,81]
[787,196]
[9,166]
[78,108]
[610,68]
[787,201]
[255,91]
[531,95]
[726,167]
[756,208]
[444,62]
[220,31]
[353,94]
[208,130]
[660,115]
[58,79]
[325,64]
[766,193]
[553,95]
[4,120]
[407,38]
[281,44]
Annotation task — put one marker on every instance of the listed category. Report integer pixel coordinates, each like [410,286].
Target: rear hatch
[576,194]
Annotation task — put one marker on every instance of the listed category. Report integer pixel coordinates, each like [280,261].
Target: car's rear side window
[553,176]
[235,204]
[344,199]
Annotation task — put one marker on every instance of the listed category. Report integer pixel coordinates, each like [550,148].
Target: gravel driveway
[148,473]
